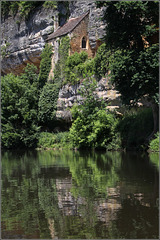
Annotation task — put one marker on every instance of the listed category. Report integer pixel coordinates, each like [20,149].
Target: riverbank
[61,140]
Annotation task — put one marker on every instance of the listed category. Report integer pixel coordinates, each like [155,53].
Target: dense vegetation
[24,7]
[134,66]
[92,126]
[29,101]
[20,109]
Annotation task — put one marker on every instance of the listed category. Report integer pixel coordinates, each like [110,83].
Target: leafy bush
[77,67]
[20,109]
[92,125]
[47,104]
[154,144]
[51,140]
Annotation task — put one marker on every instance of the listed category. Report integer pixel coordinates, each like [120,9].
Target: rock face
[69,95]
[96,27]
[25,39]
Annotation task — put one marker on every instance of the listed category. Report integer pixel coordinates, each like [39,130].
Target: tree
[19,109]
[92,125]
[130,34]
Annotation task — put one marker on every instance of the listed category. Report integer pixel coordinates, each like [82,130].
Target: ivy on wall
[45,65]
[63,52]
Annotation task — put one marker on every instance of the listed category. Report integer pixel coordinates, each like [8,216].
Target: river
[79,195]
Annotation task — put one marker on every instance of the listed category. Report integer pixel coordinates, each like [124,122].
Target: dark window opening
[83,42]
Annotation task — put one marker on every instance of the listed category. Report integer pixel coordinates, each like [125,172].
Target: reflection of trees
[79,194]
[92,174]
[19,195]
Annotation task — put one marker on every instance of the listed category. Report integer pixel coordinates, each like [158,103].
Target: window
[83,42]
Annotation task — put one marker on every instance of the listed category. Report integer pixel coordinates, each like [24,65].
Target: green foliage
[19,109]
[50,4]
[134,68]
[23,7]
[135,127]
[47,104]
[78,66]
[76,59]
[102,61]
[154,157]
[63,55]
[154,144]
[53,140]
[45,65]
[135,74]
[128,21]
[92,125]
[4,49]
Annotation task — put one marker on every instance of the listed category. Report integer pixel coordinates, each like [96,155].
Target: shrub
[77,66]
[92,125]
[47,104]
[20,109]
[154,144]
[51,140]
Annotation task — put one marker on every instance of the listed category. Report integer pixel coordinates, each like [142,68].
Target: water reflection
[80,195]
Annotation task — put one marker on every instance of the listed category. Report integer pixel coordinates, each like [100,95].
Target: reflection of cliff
[66,202]
[105,210]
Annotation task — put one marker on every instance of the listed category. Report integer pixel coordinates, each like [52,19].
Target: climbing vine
[45,65]
[63,51]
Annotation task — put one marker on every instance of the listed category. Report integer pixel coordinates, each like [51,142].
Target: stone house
[77,30]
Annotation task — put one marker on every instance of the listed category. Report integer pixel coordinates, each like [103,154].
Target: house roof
[67,27]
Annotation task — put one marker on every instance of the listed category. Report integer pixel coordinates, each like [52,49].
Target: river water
[79,195]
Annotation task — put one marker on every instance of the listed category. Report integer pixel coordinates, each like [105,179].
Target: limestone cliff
[25,40]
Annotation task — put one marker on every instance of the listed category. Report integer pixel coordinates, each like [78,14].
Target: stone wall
[96,26]
[76,38]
